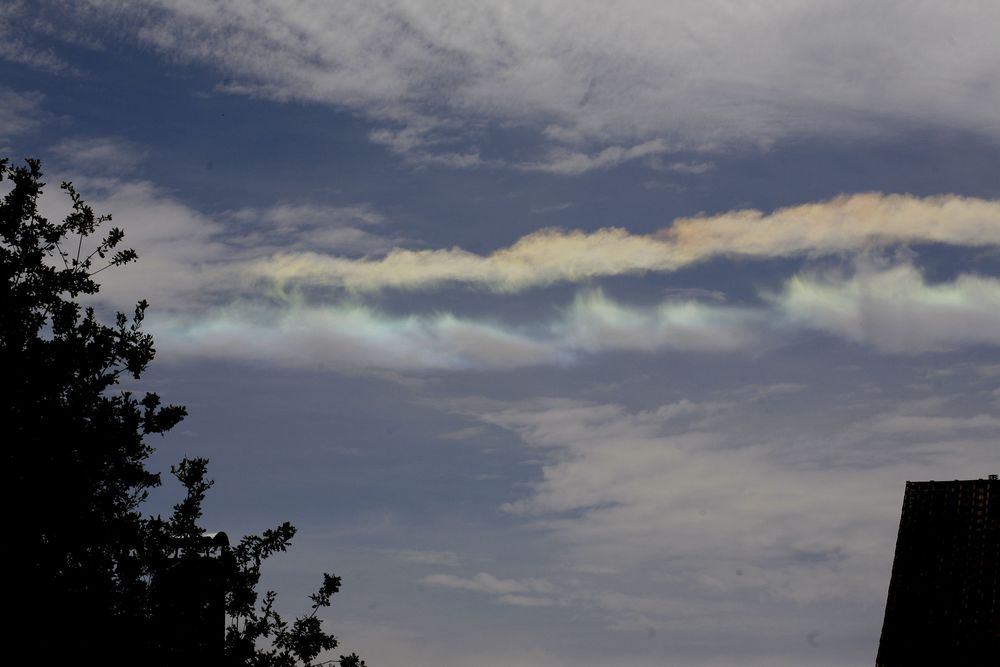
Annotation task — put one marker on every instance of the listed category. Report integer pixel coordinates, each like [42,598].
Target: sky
[568,333]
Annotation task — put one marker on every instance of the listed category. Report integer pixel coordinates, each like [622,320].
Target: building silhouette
[943,607]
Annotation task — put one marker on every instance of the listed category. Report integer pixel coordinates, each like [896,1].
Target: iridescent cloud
[846,223]
[891,309]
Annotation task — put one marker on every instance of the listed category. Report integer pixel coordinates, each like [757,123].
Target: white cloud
[462,434]
[190,264]
[896,310]
[448,558]
[15,26]
[355,336]
[512,592]
[186,257]
[19,112]
[988,370]
[347,230]
[178,247]
[926,423]
[594,323]
[552,207]
[720,514]
[924,427]
[539,258]
[487,583]
[695,168]
[526,601]
[565,162]
[893,310]
[694,74]
[98,155]
[348,336]
[848,223]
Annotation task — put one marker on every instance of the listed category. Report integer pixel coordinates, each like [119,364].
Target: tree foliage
[86,561]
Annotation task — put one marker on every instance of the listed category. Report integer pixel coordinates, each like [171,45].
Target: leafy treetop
[86,561]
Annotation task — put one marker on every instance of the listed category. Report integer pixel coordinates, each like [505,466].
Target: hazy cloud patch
[693,168]
[513,592]
[20,111]
[348,230]
[99,155]
[720,513]
[421,557]
[15,25]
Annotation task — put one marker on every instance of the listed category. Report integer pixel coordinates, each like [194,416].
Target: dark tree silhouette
[91,577]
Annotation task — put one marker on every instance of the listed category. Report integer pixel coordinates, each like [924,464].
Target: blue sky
[567,333]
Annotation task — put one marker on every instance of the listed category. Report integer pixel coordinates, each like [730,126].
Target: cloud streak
[894,310]
[843,224]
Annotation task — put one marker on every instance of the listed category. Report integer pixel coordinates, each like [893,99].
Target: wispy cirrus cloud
[717,510]
[20,111]
[514,592]
[98,155]
[843,224]
[565,162]
[423,557]
[485,582]
[16,24]
[349,230]
[586,76]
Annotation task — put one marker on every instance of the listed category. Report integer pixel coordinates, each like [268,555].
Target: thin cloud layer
[694,74]
[359,337]
[846,223]
[893,310]
[351,337]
